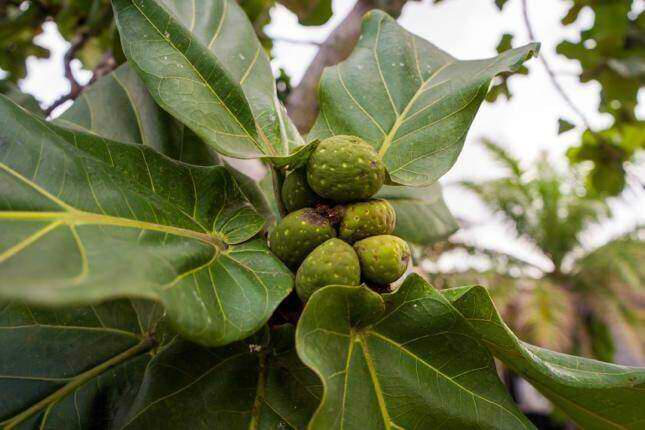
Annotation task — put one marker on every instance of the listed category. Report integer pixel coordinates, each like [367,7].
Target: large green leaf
[203,63]
[125,378]
[413,102]
[422,216]
[97,219]
[596,395]
[119,107]
[242,386]
[68,369]
[400,361]
[25,100]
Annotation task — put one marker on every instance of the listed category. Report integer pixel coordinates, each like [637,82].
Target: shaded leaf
[399,361]
[413,102]
[203,63]
[310,12]
[119,107]
[13,92]
[99,219]
[614,268]
[596,395]
[500,4]
[46,383]
[422,216]
[244,385]
[125,380]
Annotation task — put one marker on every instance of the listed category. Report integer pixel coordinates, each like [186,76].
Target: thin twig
[296,41]
[75,88]
[107,65]
[278,180]
[61,100]
[550,72]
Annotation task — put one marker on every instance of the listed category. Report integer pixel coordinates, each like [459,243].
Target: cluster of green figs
[335,233]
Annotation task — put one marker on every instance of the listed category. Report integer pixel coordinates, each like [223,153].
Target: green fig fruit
[345,169]
[332,263]
[366,219]
[296,192]
[383,258]
[298,234]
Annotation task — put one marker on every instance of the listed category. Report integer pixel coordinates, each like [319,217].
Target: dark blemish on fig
[405,259]
[313,218]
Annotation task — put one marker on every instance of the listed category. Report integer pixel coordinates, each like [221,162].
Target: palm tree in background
[589,302]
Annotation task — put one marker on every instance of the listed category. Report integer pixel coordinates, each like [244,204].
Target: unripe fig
[298,234]
[296,192]
[366,219]
[383,258]
[332,263]
[345,169]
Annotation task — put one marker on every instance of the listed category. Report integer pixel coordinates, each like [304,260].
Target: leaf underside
[410,100]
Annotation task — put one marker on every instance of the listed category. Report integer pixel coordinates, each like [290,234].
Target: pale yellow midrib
[76,218]
[401,118]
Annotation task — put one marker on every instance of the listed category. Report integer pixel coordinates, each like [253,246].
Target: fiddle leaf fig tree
[146,283]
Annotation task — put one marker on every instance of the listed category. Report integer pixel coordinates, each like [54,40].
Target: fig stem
[278,176]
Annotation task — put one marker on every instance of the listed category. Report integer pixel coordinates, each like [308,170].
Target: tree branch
[302,103]
[296,41]
[550,72]
[107,65]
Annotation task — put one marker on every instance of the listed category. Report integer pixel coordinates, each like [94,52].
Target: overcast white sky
[467,29]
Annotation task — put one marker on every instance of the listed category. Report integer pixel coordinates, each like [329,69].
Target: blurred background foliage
[584,299]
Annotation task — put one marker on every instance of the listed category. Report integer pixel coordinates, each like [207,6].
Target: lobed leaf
[203,63]
[410,100]
[97,220]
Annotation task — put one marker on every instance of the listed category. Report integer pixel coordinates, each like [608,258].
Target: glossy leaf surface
[410,100]
[400,361]
[203,63]
[98,219]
